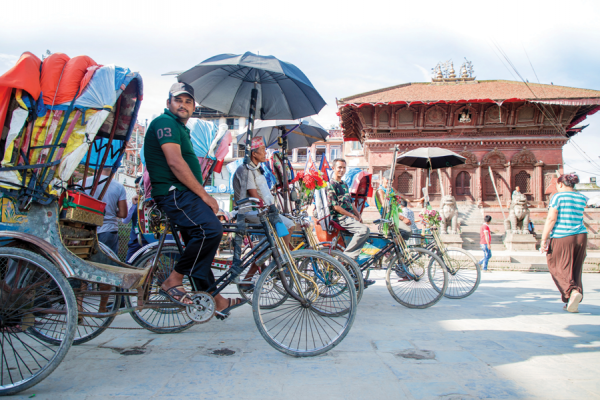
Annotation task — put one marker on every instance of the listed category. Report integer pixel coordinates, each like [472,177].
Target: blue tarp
[202,134]
[96,157]
[350,175]
[103,89]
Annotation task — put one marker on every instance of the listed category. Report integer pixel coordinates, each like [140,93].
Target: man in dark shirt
[177,188]
[343,211]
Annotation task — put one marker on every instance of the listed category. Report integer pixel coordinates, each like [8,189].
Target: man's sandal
[174,291]
[225,312]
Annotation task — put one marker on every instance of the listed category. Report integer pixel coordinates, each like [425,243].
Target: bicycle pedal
[221,317]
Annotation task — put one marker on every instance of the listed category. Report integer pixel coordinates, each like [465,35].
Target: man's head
[137,184]
[339,168]
[181,101]
[258,151]
[403,203]
[517,189]
[487,219]
[106,171]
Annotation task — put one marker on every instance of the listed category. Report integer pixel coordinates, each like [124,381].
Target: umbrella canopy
[225,82]
[430,158]
[300,133]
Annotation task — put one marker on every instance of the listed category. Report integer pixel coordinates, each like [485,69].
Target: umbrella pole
[391,181]
[286,185]
[253,97]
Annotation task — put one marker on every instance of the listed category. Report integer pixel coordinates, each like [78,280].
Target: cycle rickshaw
[59,286]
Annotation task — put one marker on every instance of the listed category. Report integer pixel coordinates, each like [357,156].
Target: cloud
[7,61]
[426,74]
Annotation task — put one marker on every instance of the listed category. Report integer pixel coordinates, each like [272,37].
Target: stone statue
[518,216]
[449,214]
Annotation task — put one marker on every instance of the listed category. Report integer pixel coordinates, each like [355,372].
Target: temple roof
[477,91]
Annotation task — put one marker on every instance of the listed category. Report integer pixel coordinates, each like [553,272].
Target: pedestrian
[485,240]
[134,242]
[516,191]
[177,189]
[116,207]
[564,239]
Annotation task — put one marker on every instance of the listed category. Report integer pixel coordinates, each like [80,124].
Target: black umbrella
[430,158]
[298,133]
[242,84]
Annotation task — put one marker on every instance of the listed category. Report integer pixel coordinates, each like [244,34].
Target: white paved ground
[511,339]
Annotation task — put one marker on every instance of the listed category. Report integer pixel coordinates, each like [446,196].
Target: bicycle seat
[381,221]
[337,226]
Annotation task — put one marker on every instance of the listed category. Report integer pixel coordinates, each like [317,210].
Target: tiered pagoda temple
[517,129]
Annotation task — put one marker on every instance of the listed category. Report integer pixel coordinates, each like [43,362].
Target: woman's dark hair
[569,180]
[403,203]
[487,219]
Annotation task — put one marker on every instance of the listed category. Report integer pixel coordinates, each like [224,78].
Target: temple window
[405,117]
[463,184]
[384,117]
[405,183]
[490,194]
[525,114]
[434,183]
[368,115]
[356,145]
[523,181]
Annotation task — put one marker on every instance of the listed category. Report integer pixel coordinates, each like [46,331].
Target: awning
[568,102]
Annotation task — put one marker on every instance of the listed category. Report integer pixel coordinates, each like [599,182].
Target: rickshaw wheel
[161,320]
[33,293]
[354,271]
[88,328]
[420,284]
[318,326]
[351,266]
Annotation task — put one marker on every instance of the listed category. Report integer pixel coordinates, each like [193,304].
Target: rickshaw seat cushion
[337,226]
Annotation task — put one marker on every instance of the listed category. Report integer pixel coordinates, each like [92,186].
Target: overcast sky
[344,47]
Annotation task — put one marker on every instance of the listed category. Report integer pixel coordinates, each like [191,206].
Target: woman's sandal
[225,312]
[174,291]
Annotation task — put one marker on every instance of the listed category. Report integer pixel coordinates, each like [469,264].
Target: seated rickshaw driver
[256,186]
[344,213]
[177,189]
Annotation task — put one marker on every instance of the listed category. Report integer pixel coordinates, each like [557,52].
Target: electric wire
[547,111]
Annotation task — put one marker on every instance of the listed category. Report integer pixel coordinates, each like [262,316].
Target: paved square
[511,339]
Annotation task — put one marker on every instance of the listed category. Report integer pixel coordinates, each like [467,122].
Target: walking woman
[564,239]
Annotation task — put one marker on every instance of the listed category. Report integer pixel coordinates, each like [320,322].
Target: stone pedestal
[519,242]
[452,240]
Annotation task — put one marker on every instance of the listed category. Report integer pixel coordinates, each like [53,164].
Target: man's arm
[132,209]
[122,209]
[185,175]
[356,213]
[254,193]
[488,238]
[344,212]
